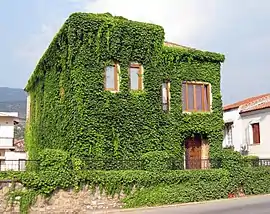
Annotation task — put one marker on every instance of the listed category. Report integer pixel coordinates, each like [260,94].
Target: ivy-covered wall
[71,111]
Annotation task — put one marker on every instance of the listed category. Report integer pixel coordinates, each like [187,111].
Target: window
[135,77]
[228,134]
[256,133]
[111,78]
[195,97]
[166,96]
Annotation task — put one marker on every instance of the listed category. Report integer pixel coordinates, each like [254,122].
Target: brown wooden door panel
[193,153]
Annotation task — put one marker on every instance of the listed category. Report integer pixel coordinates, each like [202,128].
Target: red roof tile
[244,102]
[257,107]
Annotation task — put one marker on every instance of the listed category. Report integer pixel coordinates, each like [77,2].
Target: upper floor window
[136,77]
[166,96]
[256,133]
[195,97]
[111,78]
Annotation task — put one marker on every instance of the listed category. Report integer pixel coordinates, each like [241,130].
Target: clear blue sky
[237,28]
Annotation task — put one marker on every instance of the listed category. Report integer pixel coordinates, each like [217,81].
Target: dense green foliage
[157,160]
[71,111]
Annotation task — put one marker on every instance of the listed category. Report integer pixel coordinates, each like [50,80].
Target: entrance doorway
[193,147]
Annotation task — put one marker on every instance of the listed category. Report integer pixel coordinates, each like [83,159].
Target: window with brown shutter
[135,77]
[195,97]
[256,133]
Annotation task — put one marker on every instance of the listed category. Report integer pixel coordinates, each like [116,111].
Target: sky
[237,29]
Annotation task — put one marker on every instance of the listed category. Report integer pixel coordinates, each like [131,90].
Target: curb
[177,205]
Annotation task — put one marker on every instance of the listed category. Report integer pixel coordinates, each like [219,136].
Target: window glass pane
[164,93]
[199,97]
[206,98]
[229,134]
[184,106]
[164,96]
[134,78]
[190,97]
[109,77]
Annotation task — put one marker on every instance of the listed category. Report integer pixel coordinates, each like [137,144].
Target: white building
[247,126]
[11,158]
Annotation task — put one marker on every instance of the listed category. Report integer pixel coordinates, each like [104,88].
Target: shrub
[54,160]
[251,160]
[231,159]
[157,160]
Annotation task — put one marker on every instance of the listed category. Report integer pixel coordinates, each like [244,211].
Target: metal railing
[132,164]
[13,165]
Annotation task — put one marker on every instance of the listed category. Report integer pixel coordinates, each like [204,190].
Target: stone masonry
[84,201]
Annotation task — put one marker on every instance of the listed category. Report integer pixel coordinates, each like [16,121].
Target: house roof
[171,44]
[251,104]
[257,107]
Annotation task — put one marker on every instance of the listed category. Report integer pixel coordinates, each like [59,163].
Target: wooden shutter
[256,133]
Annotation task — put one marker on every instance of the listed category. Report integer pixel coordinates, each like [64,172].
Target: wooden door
[193,153]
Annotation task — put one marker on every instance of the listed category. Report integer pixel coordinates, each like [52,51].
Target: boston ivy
[71,111]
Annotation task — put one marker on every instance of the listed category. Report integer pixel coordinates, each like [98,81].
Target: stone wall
[80,202]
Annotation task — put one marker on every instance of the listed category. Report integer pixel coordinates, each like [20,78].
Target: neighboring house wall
[242,133]
[10,154]
[6,132]
[263,118]
[234,117]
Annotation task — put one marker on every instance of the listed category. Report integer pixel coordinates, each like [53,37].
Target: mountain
[13,99]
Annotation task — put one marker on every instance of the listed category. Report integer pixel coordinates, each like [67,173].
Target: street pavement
[249,205]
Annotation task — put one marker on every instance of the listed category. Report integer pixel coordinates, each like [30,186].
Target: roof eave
[252,110]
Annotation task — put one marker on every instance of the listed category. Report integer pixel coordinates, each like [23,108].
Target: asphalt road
[250,205]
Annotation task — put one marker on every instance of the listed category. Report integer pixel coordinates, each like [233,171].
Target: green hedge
[158,160]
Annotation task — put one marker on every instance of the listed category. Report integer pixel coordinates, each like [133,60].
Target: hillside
[13,99]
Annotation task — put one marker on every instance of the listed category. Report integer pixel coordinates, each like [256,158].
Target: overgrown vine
[71,111]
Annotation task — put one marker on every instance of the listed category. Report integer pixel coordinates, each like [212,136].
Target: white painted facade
[263,118]
[242,135]
[9,158]
[233,116]
[7,120]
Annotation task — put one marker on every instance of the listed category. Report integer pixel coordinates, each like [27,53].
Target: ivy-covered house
[110,87]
